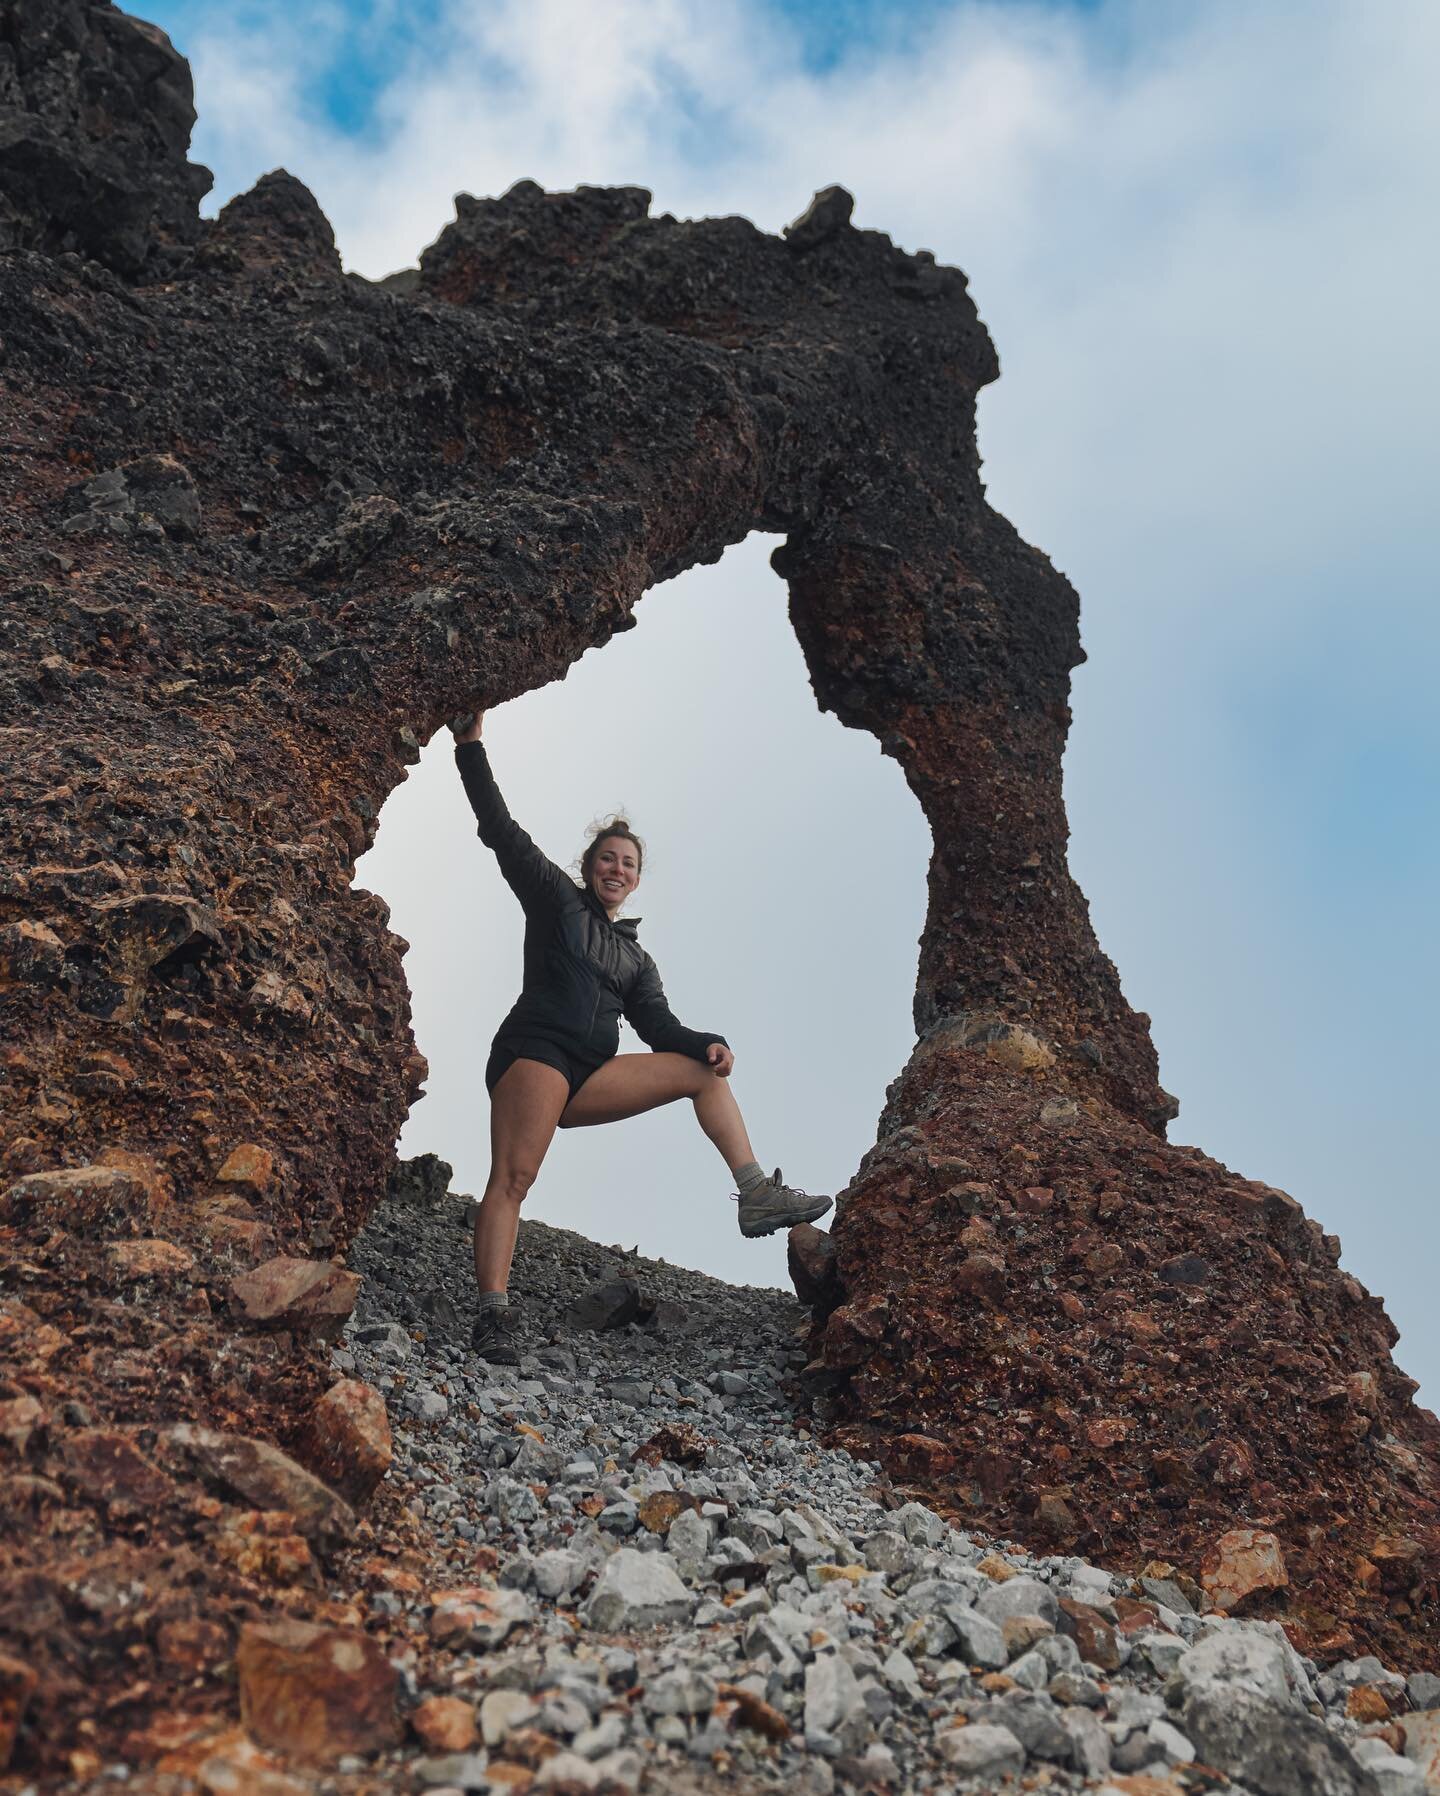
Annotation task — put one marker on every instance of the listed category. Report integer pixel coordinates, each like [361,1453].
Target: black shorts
[528,1047]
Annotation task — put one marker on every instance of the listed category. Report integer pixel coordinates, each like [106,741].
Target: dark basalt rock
[95,116]
[333,514]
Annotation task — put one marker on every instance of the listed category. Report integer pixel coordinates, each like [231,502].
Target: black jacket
[582,972]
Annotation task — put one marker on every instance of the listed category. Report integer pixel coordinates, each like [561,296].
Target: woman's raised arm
[534,879]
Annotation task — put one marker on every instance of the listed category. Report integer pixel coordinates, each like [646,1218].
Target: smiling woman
[737,902]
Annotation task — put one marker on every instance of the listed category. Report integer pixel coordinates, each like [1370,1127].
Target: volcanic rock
[309,1295]
[316,1693]
[271,525]
[1242,1564]
[346,1439]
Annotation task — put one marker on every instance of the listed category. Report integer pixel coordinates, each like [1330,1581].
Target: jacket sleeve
[536,881]
[649,1015]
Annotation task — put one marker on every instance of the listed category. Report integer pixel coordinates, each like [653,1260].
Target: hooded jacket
[583,972]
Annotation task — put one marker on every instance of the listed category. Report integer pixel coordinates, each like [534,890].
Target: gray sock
[494,1300]
[748,1177]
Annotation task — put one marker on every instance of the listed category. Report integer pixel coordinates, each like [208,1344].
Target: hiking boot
[493,1336]
[776,1205]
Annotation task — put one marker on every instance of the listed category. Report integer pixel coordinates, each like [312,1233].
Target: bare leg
[631,1083]
[524,1109]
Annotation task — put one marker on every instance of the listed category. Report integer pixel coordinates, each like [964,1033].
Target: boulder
[346,1439]
[1272,1751]
[82,1200]
[267,1478]
[611,1304]
[1243,1564]
[316,1693]
[637,1590]
[309,1296]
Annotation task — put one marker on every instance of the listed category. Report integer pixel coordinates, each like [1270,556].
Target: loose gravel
[692,1591]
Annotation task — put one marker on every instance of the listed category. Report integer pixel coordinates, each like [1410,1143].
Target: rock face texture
[266,525]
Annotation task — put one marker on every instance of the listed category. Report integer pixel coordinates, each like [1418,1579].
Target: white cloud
[1203,239]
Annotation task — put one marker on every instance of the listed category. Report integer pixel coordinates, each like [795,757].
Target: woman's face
[615,872]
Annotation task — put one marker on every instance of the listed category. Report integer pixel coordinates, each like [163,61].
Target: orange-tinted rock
[17,1685]
[83,1200]
[754,1712]
[1093,1635]
[316,1693]
[658,1509]
[20,1418]
[249,1166]
[346,1439]
[149,1257]
[1243,1564]
[313,1296]
[262,1544]
[269,1479]
[1366,1702]
[190,1645]
[1106,1431]
[106,1466]
[921,1456]
[445,1724]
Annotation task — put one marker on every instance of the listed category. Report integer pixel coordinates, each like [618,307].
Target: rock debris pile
[672,1580]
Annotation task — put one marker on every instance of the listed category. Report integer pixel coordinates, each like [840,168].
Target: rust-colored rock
[316,1693]
[20,1418]
[1093,1635]
[272,526]
[346,1439]
[83,1200]
[1243,1564]
[445,1724]
[17,1685]
[311,1295]
[149,1257]
[250,1167]
[107,1467]
[269,1479]
[810,1256]
[1367,1703]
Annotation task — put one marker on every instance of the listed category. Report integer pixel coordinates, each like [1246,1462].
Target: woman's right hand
[472,733]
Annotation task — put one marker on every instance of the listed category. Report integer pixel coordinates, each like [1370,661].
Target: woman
[554,1062]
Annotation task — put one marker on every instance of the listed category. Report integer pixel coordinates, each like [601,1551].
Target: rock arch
[272,523]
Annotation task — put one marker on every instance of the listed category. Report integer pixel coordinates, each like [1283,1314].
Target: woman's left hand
[720,1059]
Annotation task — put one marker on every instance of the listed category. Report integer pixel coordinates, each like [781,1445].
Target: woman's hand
[720,1059]
[472,733]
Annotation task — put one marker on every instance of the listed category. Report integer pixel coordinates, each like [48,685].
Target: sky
[1202,236]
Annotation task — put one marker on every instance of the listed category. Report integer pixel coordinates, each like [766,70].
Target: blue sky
[1201,235]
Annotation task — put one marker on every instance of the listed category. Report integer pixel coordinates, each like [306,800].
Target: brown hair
[617,826]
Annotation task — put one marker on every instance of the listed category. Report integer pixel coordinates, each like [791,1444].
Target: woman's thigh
[525,1106]
[626,1084]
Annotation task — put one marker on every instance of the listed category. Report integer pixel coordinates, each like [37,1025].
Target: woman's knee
[512,1183]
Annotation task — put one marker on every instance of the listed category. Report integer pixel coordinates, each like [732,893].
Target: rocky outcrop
[266,526]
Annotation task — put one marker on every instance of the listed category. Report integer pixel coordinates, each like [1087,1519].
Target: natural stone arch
[272,524]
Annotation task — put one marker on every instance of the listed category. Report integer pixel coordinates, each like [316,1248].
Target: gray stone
[920,1526]
[1089,1743]
[1272,1750]
[834,1710]
[887,1551]
[637,1590]
[511,1501]
[679,1692]
[388,1340]
[501,1711]
[1423,1689]
[1019,1596]
[1035,1722]
[1249,1657]
[557,1572]
[454,1770]
[980,1748]
[980,1639]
